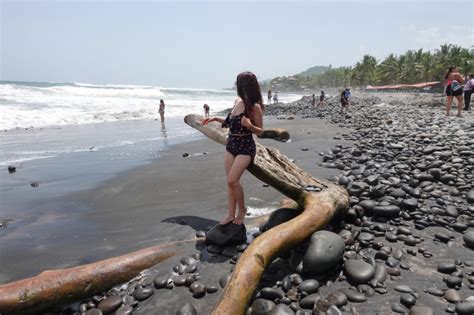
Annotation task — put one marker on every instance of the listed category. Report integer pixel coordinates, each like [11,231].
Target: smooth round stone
[179,281]
[224,279]
[143,293]
[398,308]
[198,289]
[211,289]
[354,296]
[410,240]
[453,282]
[365,237]
[325,250]
[465,308]
[281,309]
[280,216]
[110,304]
[94,311]
[435,291]
[337,298]
[468,238]
[380,275]
[124,310]
[452,296]
[410,204]
[262,307]
[309,286]
[358,271]
[387,211]
[403,288]
[187,309]
[271,293]
[421,310]
[308,301]
[391,237]
[160,282]
[446,267]
[368,205]
[190,268]
[407,299]
[470,196]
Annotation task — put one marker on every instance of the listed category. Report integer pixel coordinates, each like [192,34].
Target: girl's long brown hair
[248,90]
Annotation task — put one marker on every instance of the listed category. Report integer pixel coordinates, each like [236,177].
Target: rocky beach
[405,245]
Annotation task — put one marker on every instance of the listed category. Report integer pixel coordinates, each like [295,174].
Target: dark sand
[140,208]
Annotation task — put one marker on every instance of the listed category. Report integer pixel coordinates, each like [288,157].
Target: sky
[205,44]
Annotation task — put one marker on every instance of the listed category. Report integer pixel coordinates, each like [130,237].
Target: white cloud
[433,37]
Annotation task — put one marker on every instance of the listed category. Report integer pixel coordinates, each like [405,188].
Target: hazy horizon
[206,44]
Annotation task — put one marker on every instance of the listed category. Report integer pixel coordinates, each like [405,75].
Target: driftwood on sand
[55,287]
[321,201]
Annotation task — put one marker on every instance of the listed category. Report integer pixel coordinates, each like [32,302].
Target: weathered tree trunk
[320,199]
[55,287]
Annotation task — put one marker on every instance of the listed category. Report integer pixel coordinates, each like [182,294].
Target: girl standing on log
[245,119]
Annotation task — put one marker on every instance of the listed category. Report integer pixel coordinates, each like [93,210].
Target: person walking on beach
[275,98]
[269,97]
[468,89]
[245,119]
[453,89]
[161,110]
[322,98]
[313,100]
[345,99]
[206,110]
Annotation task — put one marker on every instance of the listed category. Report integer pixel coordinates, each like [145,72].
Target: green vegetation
[413,66]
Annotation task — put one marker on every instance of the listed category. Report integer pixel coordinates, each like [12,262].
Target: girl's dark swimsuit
[240,139]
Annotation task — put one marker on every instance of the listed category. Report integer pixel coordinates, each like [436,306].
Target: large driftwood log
[55,287]
[321,200]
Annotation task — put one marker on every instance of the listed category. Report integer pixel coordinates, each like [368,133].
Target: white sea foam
[25,105]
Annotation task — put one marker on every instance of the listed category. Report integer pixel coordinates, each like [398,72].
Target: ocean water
[43,120]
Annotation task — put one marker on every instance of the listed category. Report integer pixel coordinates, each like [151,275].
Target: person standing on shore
[453,89]
[161,110]
[322,98]
[275,98]
[313,100]
[206,110]
[468,89]
[269,97]
[345,99]
[245,119]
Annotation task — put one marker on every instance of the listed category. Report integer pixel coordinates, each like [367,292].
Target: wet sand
[168,199]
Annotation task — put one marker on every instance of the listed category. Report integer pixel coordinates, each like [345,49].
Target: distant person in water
[269,97]
[245,119]
[345,99]
[468,89]
[206,110]
[453,89]
[275,98]
[161,110]
[322,98]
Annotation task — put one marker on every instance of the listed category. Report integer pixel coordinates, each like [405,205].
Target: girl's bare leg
[241,162]
[228,161]
[460,104]
[448,104]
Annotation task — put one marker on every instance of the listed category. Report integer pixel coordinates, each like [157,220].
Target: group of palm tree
[414,66]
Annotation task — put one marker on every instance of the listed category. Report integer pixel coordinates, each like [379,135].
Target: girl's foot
[241,217]
[228,219]
[459,115]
